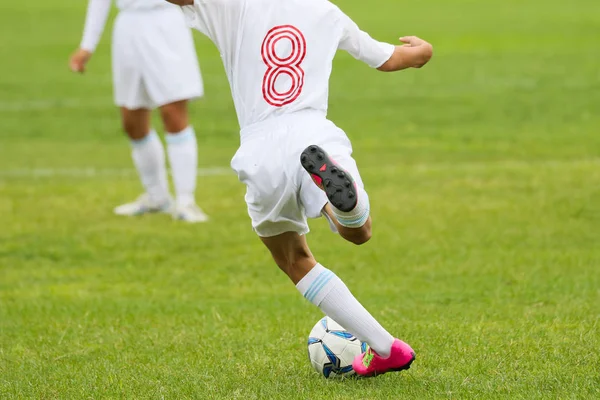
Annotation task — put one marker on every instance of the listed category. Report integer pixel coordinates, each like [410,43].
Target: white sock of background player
[149,159]
[183,157]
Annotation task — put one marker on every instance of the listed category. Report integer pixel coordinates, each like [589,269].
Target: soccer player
[154,66]
[278,57]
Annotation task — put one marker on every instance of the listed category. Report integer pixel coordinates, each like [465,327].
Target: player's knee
[134,130]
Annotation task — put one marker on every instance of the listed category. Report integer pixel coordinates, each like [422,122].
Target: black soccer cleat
[338,185]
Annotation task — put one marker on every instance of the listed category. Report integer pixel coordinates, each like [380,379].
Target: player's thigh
[168,57]
[128,85]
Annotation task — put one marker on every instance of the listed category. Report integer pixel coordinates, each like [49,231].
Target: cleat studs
[304,158]
[334,170]
[341,175]
[313,149]
[350,195]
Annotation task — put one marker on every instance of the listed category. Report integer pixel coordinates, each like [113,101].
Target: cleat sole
[337,184]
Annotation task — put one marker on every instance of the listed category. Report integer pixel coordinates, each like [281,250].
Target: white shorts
[154,60]
[280,194]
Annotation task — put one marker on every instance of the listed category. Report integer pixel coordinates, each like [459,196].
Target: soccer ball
[331,349]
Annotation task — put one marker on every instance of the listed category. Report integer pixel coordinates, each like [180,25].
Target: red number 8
[277,66]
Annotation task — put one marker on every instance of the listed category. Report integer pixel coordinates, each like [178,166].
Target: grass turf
[485,183]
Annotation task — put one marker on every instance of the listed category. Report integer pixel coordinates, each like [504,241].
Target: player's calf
[325,289]
[357,236]
[291,254]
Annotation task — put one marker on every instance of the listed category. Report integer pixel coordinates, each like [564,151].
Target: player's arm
[413,54]
[97,15]
[384,56]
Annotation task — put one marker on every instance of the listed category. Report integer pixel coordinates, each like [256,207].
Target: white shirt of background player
[97,15]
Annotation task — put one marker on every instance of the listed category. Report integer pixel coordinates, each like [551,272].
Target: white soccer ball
[331,349]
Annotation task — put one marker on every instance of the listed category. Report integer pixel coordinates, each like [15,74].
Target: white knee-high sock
[359,215]
[149,158]
[325,290]
[183,157]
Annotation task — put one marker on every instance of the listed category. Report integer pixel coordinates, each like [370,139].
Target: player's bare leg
[325,290]
[182,149]
[358,236]
[349,210]
[149,159]
[136,123]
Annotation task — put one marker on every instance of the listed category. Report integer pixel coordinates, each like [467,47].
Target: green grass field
[484,176]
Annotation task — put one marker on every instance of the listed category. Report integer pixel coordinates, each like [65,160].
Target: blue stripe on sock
[318,284]
[184,136]
[356,222]
[323,275]
[321,285]
[139,142]
[315,282]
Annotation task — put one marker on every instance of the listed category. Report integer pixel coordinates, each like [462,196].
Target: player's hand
[413,41]
[79,60]
[420,50]
[414,53]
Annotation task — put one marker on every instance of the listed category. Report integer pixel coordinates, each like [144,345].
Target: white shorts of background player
[153,59]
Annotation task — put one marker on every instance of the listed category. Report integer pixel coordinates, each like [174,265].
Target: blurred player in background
[154,66]
[278,56]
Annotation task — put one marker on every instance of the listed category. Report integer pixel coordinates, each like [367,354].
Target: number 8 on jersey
[278,65]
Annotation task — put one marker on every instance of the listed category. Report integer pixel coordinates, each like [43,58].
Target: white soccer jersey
[278,53]
[139,4]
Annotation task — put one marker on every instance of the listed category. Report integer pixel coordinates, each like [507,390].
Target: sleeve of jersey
[95,20]
[196,17]
[362,46]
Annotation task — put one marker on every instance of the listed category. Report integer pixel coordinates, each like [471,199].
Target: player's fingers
[76,66]
[412,40]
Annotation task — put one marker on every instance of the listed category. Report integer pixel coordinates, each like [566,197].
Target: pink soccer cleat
[371,364]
